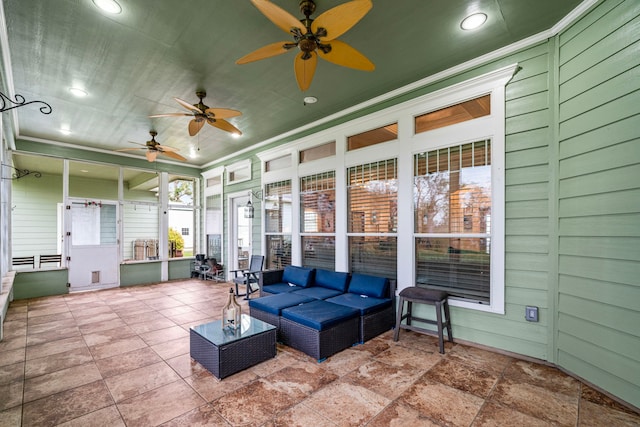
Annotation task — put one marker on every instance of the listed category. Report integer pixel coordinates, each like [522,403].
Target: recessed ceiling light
[310,100]
[235,135]
[76,91]
[474,21]
[109,6]
[65,131]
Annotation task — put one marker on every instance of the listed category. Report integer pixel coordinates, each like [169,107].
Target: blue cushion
[372,286]
[275,303]
[319,315]
[332,280]
[280,288]
[363,303]
[318,292]
[299,276]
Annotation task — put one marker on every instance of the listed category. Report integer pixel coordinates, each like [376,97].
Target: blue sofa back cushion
[319,315]
[275,303]
[365,304]
[371,286]
[332,279]
[299,276]
[317,292]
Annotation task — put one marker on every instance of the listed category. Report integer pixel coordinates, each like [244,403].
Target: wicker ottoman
[319,328]
[269,308]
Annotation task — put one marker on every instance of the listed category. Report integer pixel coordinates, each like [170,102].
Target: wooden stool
[439,299]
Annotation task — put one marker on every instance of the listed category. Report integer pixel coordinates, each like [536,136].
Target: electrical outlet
[531,313]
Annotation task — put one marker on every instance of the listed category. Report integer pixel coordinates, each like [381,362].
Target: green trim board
[34,284]
[142,273]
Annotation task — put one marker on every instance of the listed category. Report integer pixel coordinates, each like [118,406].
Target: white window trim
[244,164]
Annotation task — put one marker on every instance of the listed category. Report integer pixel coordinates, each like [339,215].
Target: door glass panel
[93,224]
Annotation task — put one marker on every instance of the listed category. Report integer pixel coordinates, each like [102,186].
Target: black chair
[24,260]
[50,258]
[249,277]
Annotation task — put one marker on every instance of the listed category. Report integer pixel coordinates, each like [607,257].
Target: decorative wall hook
[19,102]
[19,173]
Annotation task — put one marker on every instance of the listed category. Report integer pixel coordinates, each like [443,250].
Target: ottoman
[269,308]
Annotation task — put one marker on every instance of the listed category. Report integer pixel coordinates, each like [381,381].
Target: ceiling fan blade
[283,19]
[224,125]
[223,113]
[131,149]
[174,155]
[343,54]
[305,68]
[151,155]
[267,51]
[195,126]
[340,19]
[166,148]
[188,106]
[170,115]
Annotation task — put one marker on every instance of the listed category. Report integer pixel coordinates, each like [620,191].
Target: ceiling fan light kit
[153,148]
[314,37]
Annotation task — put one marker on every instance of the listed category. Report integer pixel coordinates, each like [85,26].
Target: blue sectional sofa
[321,312]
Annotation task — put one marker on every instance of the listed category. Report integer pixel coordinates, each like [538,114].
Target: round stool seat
[416,293]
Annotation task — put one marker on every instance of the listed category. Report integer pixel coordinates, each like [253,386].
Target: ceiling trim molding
[568,20]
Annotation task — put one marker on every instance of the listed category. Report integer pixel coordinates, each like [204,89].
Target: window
[278,163]
[372,195]
[181,215]
[140,215]
[213,222]
[318,152]
[317,220]
[239,172]
[452,207]
[278,223]
[372,137]
[458,113]
[185,231]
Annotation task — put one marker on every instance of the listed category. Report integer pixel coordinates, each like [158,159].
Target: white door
[240,241]
[92,245]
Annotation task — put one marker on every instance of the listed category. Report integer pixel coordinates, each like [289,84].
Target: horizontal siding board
[618,156]
[622,248]
[625,390]
[536,102]
[626,106]
[524,297]
[607,136]
[532,157]
[527,140]
[615,40]
[536,191]
[532,67]
[601,94]
[527,209]
[618,202]
[528,86]
[605,269]
[527,175]
[614,363]
[624,178]
[583,24]
[527,244]
[619,63]
[610,316]
[526,279]
[526,122]
[527,227]
[625,344]
[618,225]
[518,345]
[615,294]
[512,324]
[527,261]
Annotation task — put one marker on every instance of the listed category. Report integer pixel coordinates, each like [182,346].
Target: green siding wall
[599,199]
[35,284]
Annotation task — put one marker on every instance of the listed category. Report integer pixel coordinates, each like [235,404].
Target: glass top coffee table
[226,352]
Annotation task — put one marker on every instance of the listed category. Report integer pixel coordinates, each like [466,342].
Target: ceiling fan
[203,114]
[154,148]
[314,37]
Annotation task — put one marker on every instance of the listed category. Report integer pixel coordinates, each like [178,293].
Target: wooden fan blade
[305,69]
[131,149]
[170,115]
[267,51]
[343,54]
[151,155]
[188,106]
[166,148]
[195,126]
[340,19]
[223,113]
[224,125]
[283,19]
[174,155]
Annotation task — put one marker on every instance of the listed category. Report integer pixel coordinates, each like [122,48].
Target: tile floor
[121,357]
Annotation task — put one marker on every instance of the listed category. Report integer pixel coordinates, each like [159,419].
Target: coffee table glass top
[249,326]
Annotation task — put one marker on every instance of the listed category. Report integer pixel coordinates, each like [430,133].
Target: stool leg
[396,333]
[439,319]
[409,309]
[448,320]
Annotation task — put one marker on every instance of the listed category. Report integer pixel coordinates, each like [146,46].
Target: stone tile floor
[121,357]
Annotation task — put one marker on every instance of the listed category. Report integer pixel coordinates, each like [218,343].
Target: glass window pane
[277,205]
[317,203]
[319,252]
[181,215]
[455,114]
[374,255]
[214,227]
[278,252]
[372,137]
[373,198]
[318,152]
[460,266]
[140,231]
[278,163]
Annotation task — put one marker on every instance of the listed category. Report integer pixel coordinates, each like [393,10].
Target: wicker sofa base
[272,319]
[374,324]
[319,344]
